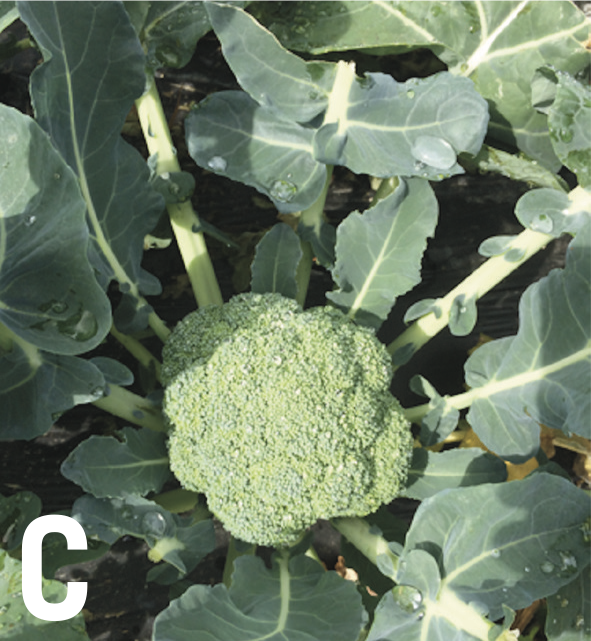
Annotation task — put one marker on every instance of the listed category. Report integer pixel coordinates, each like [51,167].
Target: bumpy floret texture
[282,416]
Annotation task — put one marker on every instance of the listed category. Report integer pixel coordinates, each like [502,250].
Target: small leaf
[432,472]
[276,260]
[422,307]
[233,135]
[296,601]
[553,212]
[379,252]
[272,75]
[107,467]
[115,373]
[462,315]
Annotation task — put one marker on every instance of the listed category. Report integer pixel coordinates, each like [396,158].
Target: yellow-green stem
[182,215]
[135,348]
[133,408]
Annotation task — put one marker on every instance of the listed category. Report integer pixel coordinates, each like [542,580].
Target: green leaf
[529,543]
[276,260]
[231,134]
[568,121]
[16,512]
[48,297]
[56,555]
[417,128]
[441,418]
[36,386]
[296,599]
[18,624]
[174,539]
[462,315]
[480,40]
[136,462]
[569,610]
[432,472]
[94,69]
[543,374]
[170,31]
[379,252]
[554,212]
[8,14]
[273,76]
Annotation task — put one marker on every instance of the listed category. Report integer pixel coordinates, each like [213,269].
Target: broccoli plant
[264,413]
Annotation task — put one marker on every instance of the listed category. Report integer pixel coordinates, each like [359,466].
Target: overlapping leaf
[379,252]
[108,467]
[231,134]
[543,375]
[480,40]
[174,539]
[302,601]
[453,572]
[275,262]
[94,69]
[569,610]
[432,472]
[18,624]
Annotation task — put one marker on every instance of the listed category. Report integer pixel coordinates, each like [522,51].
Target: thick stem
[182,216]
[371,545]
[133,408]
[481,281]
[142,354]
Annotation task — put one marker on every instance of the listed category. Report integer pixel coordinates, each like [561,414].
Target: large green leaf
[48,297]
[379,252]
[231,134]
[542,375]
[94,69]
[174,539]
[417,128]
[296,599]
[18,624]
[8,14]
[529,542]
[275,262]
[500,45]
[569,610]
[273,76]
[134,463]
[432,472]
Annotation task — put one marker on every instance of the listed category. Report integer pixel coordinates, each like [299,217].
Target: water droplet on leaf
[547,567]
[283,191]
[496,553]
[30,220]
[154,523]
[81,326]
[408,598]
[542,223]
[410,94]
[434,152]
[217,163]
[568,562]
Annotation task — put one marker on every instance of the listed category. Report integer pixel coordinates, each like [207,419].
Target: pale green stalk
[182,215]
[478,283]
[133,408]
[142,354]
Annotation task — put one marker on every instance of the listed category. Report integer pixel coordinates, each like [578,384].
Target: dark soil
[121,605]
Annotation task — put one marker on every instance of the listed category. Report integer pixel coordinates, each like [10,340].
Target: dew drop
[527,569]
[12,139]
[408,598]
[496,553]
[81,326]
[57,176]
[410,94]
[283,191]
[565,135]
[154,523]
[434,152]
[59,307]
[542,223]
[547,567]
[564,603]
[217,163]
[568,562]
[30,220]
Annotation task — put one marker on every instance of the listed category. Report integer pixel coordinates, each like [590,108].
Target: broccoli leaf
[18,624]
[569,610]
[543,374]
[8,14]
[432,472]
[16,512]
[94,69]
[530,543]
[478,40]
[273,76]
[275,262]
[174,539]
[231,134]
[108,467]
[379,252]
[296,599]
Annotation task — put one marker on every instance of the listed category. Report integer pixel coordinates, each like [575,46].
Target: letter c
[32,569]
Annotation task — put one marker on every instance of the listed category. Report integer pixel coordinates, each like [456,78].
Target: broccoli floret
[282,416]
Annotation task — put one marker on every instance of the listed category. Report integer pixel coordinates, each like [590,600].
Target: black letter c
[32,568]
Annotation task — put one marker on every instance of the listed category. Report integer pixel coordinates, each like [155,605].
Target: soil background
[121,605]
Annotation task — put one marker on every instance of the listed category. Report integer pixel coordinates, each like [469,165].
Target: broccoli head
[282,416]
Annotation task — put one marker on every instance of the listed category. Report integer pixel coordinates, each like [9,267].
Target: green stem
[303,272]
[481,281]
[371,545]
[143,355]
[182,215]
[133,408]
